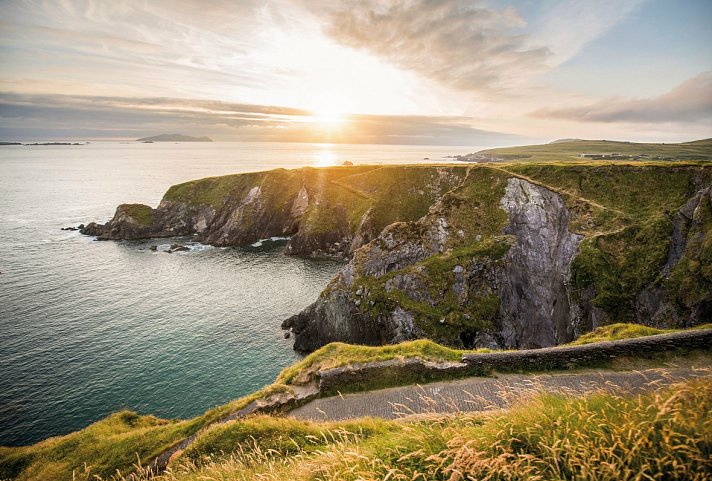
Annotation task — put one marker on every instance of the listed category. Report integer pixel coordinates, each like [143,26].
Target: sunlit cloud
[129,117]
[401,70]
[691,101]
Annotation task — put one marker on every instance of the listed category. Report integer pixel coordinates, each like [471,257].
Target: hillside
[570,150]
[250,438]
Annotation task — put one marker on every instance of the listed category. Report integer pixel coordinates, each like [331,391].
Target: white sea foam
[198,247]
[261,242]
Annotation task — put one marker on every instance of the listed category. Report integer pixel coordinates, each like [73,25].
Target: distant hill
[174,138]
[580,150]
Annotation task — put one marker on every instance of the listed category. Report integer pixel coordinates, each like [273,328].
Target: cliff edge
[519,255]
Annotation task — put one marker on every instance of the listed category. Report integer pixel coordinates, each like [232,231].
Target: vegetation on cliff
[625,212]
[666,434]
[142,214]
[125,440]
[431,246]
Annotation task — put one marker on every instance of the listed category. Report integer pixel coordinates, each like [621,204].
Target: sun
[328,116]
[328,110]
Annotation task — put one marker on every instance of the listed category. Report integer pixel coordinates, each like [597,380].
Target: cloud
[567,26]
[469,45]
[31,116]
[691,101]
[464,45]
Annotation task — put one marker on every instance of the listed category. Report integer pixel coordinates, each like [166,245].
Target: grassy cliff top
[661,435]
[571,150]
[603,436]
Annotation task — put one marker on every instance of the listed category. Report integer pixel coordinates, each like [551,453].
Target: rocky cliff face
[525,255]
[536,299]
[325,211]
[512,290]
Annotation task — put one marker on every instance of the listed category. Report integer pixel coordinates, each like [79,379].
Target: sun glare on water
[325,157]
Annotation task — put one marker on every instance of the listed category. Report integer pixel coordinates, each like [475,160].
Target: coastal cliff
[324,211]
[500,256]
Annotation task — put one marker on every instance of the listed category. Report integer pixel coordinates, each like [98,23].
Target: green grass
[141,213]
[120,440]
[116,442]
[664,435]
[278,435]
[569,151]
[113,442]
[614,332]
[337,354]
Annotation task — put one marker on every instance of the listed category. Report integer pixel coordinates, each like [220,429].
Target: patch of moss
[690,281]
[446,317]
[621,264]
[141,213]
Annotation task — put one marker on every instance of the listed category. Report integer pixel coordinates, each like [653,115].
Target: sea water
[88,328]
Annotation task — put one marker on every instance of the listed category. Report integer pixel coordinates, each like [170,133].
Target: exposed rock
[486,251]
[314,207]
[536,309]
[689,301]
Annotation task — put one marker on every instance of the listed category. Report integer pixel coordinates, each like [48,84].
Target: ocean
[88,328]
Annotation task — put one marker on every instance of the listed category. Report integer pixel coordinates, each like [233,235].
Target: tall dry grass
[663,435]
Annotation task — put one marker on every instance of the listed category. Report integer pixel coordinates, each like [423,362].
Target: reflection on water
[325,157]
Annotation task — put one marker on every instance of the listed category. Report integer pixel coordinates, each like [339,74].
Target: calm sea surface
[88,328]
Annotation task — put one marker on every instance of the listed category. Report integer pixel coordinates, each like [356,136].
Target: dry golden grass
[663,435]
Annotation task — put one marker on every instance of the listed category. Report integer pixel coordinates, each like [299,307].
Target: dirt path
[479,394]
[555,189]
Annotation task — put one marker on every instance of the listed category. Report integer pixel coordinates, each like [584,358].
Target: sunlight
[325,157]
[329,117]
[328,111]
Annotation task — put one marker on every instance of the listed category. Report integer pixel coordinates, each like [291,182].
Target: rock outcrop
[537,308]
[325,211]
[516,295]
[519,256]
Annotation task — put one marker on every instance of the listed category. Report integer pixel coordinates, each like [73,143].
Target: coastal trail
[481,394]
[562,192]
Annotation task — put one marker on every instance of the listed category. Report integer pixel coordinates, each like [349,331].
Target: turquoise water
[88,328]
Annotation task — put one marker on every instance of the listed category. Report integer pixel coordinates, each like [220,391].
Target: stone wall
[565,357]
[393,372]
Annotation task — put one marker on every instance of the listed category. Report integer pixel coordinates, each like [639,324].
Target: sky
[450,72]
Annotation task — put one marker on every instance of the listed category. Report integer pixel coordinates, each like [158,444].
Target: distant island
[174,138]
[43,143]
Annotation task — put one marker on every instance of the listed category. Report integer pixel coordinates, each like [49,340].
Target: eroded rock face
[537,309]
[685,296]
[531,281]
[322,214]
